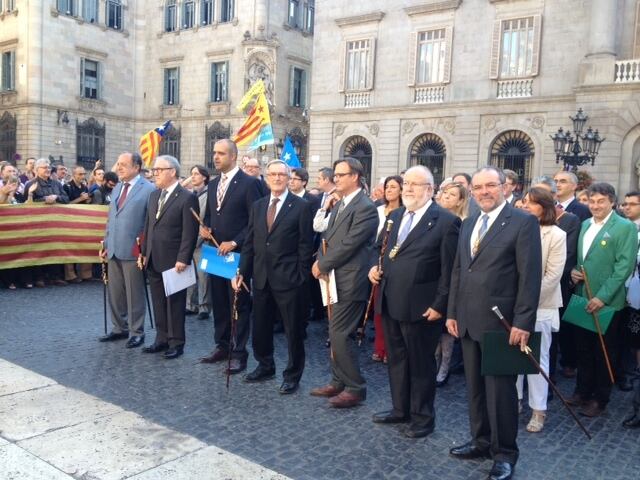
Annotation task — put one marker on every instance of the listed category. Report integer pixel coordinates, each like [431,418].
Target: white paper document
[174,281]
[331,288]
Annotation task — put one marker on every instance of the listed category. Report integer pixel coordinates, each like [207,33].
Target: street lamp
[579,150]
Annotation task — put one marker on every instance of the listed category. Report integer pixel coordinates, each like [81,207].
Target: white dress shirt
[282,198]
[493,214]
[592,231]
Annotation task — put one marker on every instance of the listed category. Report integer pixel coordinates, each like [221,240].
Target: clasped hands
[517,336]
[595,303]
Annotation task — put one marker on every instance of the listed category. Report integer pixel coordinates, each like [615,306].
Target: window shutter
[177,95]
[225,83]
[12,70]
[212,89]
[494,68]
[165,94]
[448,36]
[342,80]
[537,34]
[82,77]
[99,82]
[292,86]
[413,51]
[371,64]
[303,89]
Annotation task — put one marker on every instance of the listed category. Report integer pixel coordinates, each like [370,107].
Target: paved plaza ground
[71,407]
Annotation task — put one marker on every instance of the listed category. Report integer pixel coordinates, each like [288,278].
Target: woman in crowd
[540,203]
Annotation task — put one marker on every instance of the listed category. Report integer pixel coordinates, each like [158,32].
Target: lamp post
[579,150]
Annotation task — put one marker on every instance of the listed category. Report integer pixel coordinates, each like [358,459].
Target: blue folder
[224,266]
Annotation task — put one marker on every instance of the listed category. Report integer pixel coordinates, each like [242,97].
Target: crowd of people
[432,261]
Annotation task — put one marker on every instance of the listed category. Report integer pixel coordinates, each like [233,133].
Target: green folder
[575,313]
[500,358]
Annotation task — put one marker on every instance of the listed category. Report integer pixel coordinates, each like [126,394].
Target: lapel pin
[603,243]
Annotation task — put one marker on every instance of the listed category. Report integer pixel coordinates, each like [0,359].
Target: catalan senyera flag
[40,234]
[256,89]
[256,130]
[150,143]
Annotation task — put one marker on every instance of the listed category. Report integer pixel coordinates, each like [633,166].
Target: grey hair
[545,180]
[42,162]
[572,176]
[172,161]
[279,162]
[491,168]
[424,170]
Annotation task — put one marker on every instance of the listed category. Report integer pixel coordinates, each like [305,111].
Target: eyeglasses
[157,170]
[340,175]
[629,204]
[296,179]
[274,175]
[488,186]
[414,184]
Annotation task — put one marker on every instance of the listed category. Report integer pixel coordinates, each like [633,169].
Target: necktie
[271,213]
[222,188]
[123,195]
[163,196]
[404,233]
[483,229]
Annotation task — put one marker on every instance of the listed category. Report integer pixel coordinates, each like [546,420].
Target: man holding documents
[498,263]
[607,249]
[277,255]
[170,236]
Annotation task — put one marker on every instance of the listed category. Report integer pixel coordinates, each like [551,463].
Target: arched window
[212,134]
[8,127]
[429,150]
[170,144]
[90,142]
[359,148]
[514,150]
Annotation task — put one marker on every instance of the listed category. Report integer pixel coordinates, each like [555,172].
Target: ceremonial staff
[528,353]
[105,281]
[232,335]
[596,320]
[383,250]
[144,277]
[328,283]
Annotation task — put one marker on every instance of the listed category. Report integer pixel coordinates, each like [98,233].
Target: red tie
[123,195]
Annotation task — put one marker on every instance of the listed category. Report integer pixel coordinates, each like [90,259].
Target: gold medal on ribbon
[394,252]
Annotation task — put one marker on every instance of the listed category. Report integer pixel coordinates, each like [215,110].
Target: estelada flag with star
[256,130]
[289,155]
[150,143]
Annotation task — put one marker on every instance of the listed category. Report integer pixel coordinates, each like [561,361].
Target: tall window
[516,59]
[226,10]
[66,7]
[309,14]
[298,88]
[358,64]
[294,13]
[188,14]
[170,144]
[89,78]
[219,81]
[8,128]
[301,14]
[90,142]
[90,11]
[8,71]
[206,12]
[9,5]
[170,16]
[171,86]
[432,47]
[114,14]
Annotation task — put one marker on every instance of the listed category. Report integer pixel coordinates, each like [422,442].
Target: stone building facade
[84,79]
[456,84]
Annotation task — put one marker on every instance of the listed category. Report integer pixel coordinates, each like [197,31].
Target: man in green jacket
[607,249]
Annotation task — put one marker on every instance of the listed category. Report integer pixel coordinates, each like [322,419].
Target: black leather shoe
[288,387]
[203,316]
[135,341]
[111,336]
[259,375]
[156,348]
[501,471]
[174,352]
[625,385]
[236,366]
[389,417]
[469,451]
[218,355]
[633,421]
[188,312]
[415,430]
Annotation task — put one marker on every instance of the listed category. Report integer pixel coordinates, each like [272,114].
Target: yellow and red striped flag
[39,234]
[258,120]
[150,143]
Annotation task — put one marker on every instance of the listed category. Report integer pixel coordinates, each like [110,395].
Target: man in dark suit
[251,166]
[349,237]
[414,289]
[510,186]
[231,196]
[497,263]
[567,184]
[277,255]
[170,235]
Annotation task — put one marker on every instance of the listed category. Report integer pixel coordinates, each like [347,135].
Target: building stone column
[261,19]
[598,66]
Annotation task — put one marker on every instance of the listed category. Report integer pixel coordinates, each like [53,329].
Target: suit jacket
[202,196]
[124,225]
[610,260]
[350,240]
[282,256]
[172,236]
[419,275]
[578,209]
[554,256]
[570,224]
[504,272]
[230,222]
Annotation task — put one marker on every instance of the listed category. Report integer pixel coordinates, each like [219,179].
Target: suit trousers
[411,348]
[167,311]
[222,302]
[289,303]
[493,406]
[345,368]
[199,295]
[126,296]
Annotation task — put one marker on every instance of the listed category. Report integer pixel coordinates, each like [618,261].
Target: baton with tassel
[596,320]
[232,335]
[144,279]
[527,351]
[105,281]
[383,250]
[328,284]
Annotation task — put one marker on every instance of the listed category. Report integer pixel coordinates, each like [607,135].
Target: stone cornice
[220,53]
[9,43]
[177,58]
[359,19]
[90,52]
[432,6]
[295,58]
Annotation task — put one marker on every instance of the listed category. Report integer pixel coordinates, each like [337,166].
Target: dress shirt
[493,214]
[592,231]
[282,199]
[169,190]
[300,193]
[346,200]
[229,175]
[419,213]
[566,203]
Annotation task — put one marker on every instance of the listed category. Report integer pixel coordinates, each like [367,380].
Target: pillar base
[597,69]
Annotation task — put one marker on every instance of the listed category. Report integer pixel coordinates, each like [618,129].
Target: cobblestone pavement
[53,332]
